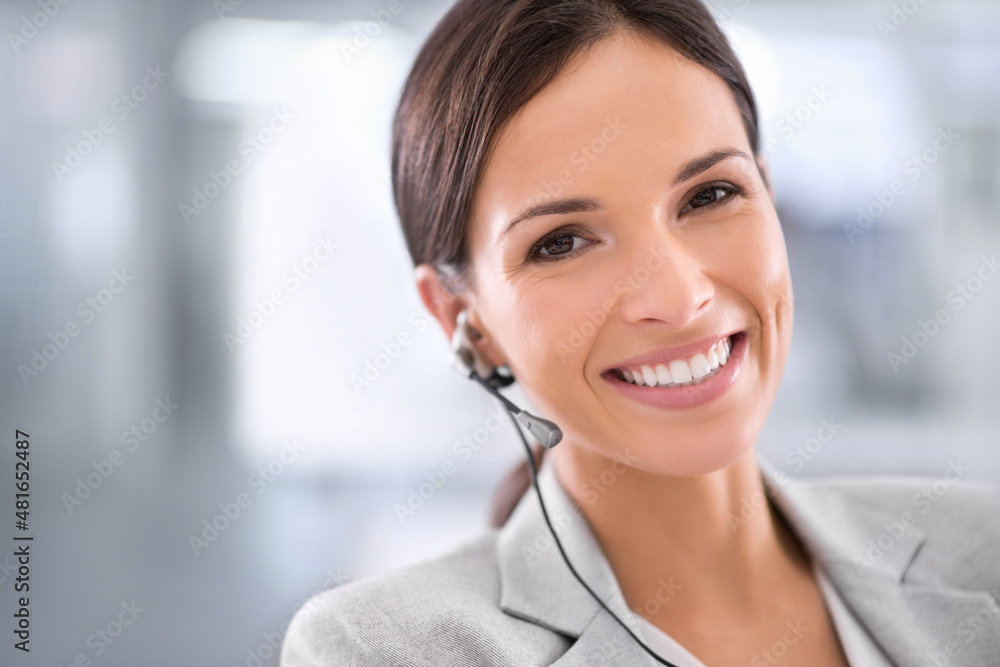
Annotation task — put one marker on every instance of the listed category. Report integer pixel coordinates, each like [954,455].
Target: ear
[439,300]
[765,172]
[445,307]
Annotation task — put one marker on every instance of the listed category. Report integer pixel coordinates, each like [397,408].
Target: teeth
[680,372]
[699,366]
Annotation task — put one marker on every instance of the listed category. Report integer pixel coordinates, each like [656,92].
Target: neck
[715,534]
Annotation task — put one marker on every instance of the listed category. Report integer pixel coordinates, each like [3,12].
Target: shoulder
[439,612]
[958,515]
[952,497]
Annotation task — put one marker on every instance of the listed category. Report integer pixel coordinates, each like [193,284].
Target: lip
[665,356]
[689,396]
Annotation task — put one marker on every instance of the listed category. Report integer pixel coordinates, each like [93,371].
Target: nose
[668,283]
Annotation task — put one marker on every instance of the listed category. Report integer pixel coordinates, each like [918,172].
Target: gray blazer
[916,559]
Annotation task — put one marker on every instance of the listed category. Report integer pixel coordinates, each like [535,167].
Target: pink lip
[690,396]
[665,356]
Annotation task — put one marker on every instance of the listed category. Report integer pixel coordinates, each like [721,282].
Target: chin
[691,452]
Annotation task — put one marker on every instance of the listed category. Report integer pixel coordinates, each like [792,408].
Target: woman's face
[668,247]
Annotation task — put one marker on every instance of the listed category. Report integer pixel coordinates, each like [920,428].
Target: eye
[557,245]
[712,194]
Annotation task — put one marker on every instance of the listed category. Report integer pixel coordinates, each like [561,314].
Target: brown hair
[480,65]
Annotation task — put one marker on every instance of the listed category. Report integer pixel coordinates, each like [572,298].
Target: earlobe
[481,339]
[445,307]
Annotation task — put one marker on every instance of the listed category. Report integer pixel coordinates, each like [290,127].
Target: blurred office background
[195,212]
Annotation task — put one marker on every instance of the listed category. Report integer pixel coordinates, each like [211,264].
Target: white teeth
[699,366]
[680,371]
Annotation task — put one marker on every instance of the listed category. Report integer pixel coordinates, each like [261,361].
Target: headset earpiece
[465,358]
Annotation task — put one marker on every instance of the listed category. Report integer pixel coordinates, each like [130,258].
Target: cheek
[763,280]
[759,265]
[551,326]
[776,280]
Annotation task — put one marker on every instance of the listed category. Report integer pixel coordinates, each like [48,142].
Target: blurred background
[208,324]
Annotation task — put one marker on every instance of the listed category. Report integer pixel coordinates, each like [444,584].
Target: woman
[581,181]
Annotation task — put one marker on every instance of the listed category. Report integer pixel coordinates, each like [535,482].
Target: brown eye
[713,194]
[556,245]
[709,196]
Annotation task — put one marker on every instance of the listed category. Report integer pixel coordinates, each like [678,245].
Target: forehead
[629,111]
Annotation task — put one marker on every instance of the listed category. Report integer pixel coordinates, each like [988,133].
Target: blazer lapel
[867,552]
[914,623]
[536,585]
[604,642]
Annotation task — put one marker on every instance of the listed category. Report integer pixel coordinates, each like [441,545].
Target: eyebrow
[690,169]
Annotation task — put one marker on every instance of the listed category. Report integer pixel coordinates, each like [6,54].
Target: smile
[685,378]
[680,372]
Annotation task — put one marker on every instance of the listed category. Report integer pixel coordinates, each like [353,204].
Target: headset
[469,363]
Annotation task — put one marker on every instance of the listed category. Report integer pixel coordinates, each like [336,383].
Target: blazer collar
[840,531]
[536,585]
[868,553]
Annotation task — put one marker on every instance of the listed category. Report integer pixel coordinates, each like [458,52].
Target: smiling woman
[635,283]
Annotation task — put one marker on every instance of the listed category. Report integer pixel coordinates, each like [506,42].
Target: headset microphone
[469,364]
